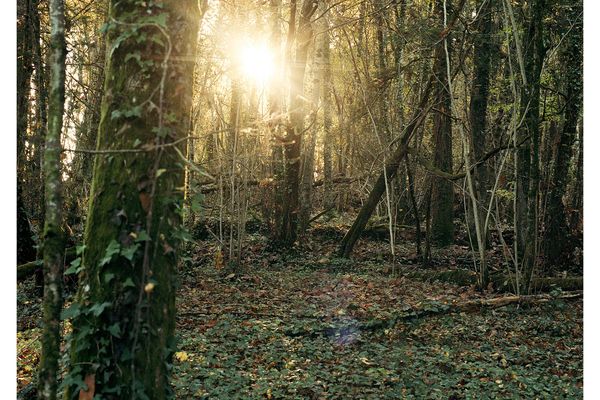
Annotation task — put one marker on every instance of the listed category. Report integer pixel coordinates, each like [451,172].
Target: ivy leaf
[115,330]
[108,277]
[142,237]
[128,283]
[98,309]
[129,252]
[74,268]
[112,249]
[80,249]
[73,311]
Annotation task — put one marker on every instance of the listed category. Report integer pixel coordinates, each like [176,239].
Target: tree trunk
[53,238]
[391,168]
[328,195]
[388,173]
[25,242]
[482,54]
[25,245]
[557,245]
[442,207]
[287,229]
[528,158]
[274,204]
[124,317]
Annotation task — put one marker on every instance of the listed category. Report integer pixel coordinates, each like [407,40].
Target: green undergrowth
[307,325]
[250,336]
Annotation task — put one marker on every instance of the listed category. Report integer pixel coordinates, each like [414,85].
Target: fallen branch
[501,283]
[26,270]
[352,327]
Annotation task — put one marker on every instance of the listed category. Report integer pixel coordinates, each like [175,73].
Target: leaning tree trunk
[442,207]
[391,167]
[388,173]
[557,245]
[53,238]
[287,227]
[124,317]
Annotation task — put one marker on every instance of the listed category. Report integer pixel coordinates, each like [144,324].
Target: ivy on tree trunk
[124,316]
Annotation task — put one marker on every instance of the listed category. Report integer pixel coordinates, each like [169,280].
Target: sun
[257,63]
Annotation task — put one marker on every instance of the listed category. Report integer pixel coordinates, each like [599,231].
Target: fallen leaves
[181,356]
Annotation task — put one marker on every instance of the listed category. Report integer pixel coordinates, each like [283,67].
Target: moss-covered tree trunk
[53,238]
[442,211]
[124,317]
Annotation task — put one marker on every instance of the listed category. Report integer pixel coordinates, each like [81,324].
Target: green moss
[124,326]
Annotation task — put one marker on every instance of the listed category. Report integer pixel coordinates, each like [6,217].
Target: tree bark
[328,195]
[124,316]
[288,224]
[442,207]
[528,158]
[25,244]
[556,244]
[482,55]
[53,237]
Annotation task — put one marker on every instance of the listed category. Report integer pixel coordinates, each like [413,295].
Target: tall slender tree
[442,196]
[482,55]
[53,238]
[302,37]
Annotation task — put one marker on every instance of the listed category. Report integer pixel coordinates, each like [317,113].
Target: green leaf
[108,277]
[98,309]
[159,172]
[129,252]
[142,237]
[74,268]
[112,249]
[161,131]
[136,56]
[128,283]
[73,311]
[79,249]
[115,330]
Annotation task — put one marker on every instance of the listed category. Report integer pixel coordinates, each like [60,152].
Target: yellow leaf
[181,356]
[149,287]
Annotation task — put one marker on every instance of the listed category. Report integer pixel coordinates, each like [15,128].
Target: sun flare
[257,63]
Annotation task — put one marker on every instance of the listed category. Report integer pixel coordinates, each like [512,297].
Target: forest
[299,199]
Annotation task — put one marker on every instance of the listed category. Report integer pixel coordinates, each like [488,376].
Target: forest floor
[306,325]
